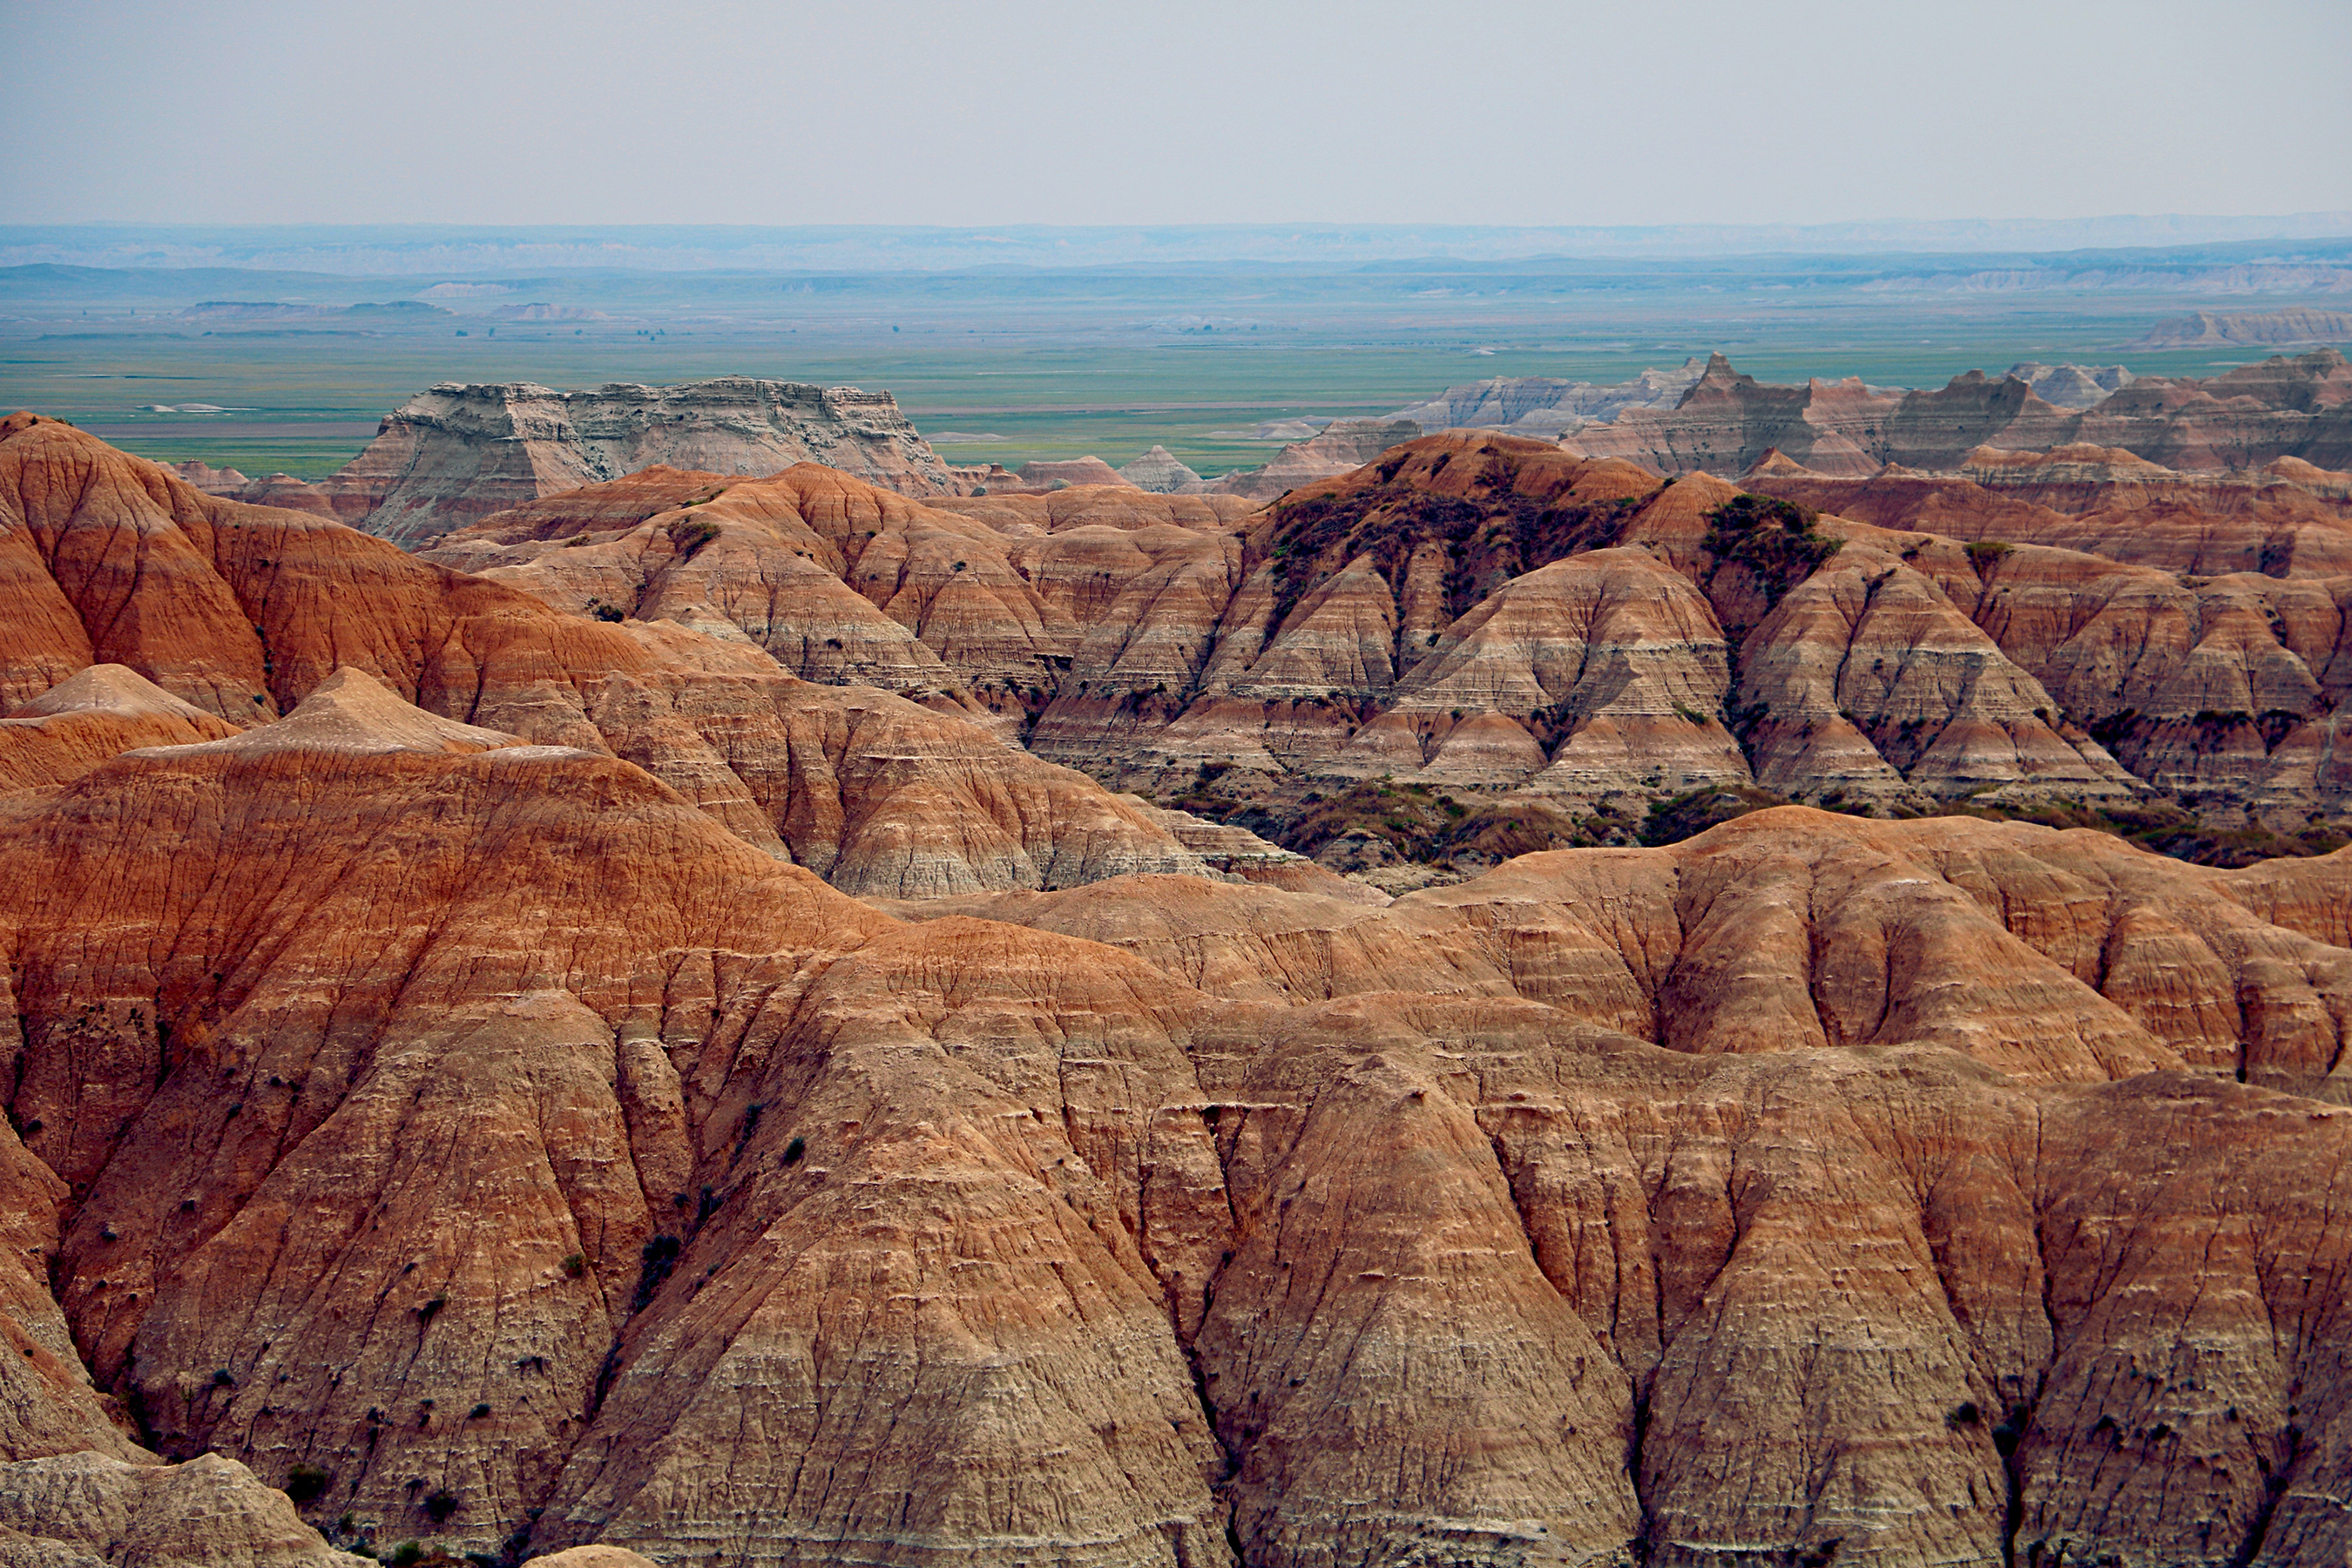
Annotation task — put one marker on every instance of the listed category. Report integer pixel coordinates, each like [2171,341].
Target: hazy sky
[1027,110]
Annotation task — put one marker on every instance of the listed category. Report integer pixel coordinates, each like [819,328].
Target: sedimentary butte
[451,455]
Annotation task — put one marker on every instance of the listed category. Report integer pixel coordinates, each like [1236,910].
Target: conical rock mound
[353,711]
[91,716]
[1159,471]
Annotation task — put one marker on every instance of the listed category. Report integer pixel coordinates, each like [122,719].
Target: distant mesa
[2278,329]
[455,454]
[284,490]
[1303,429]
[1343,446]
[1037,478]
[1545,408]
[1157,472]
[274,490]
[1071,471]
[223,482]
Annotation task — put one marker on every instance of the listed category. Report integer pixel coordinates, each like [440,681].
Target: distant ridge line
[385,250]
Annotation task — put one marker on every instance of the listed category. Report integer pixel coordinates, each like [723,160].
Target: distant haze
[887,113]
[395,250]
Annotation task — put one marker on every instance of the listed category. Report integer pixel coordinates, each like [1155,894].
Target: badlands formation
[457,454]
[1480,645]
[623,1035]
[2298,407]
[2301,325]
[460,452]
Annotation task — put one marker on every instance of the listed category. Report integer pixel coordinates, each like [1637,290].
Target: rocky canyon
[1510,1004]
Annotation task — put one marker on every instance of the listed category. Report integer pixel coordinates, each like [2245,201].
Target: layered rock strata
[1340,447]
[2207,328]
[984,603]
[2285,406]
[86,1510]
[459,452]
[1050,474]
[1159,471]
[691,1207]
[1447,619]
[1543,407]
[88,718]
[2072,385]
[1476,614]
[435,1101]
[1725,423]
[1480,612]
[243,612]
[2289,522]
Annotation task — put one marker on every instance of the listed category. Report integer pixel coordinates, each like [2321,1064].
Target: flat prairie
[1057,365]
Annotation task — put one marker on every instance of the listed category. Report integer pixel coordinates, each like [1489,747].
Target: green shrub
[655,1262]
[1688,816]
[1773,540]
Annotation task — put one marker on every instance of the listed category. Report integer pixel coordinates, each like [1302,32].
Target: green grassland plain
[1107,362]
